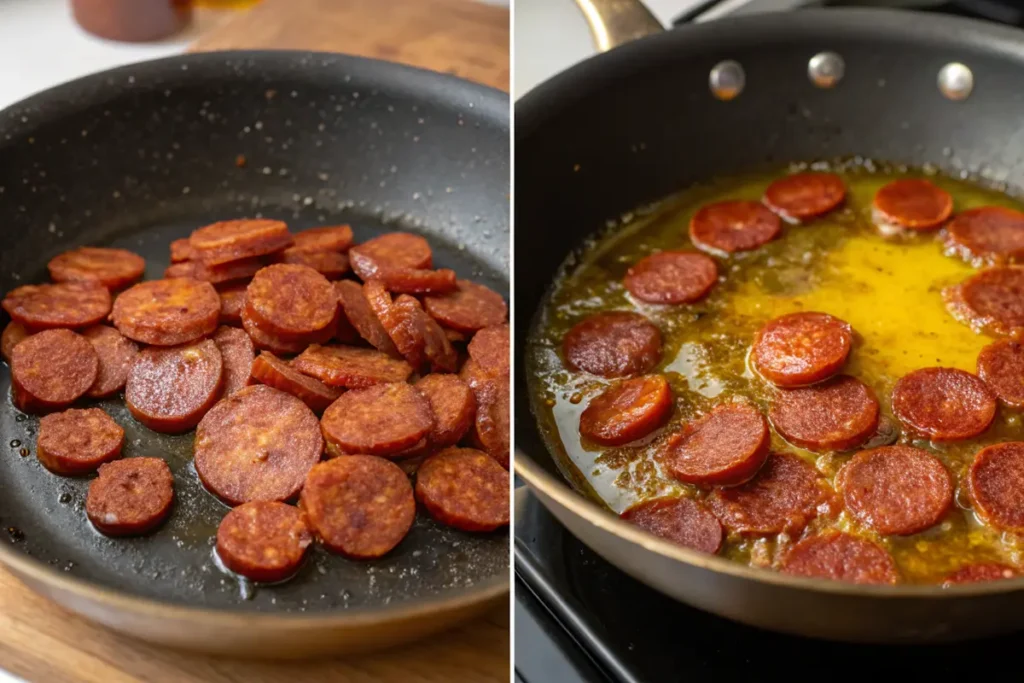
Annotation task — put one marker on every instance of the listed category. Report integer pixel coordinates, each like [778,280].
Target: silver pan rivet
[727,80]
[826,69]
[956,81]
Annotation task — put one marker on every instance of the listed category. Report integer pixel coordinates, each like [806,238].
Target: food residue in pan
[808,370]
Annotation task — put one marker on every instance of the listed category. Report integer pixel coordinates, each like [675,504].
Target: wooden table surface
[42,642]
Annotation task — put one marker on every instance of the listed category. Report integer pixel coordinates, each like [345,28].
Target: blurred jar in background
[140,21]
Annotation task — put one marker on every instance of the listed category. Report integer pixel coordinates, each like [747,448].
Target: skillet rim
[913,29]
[475,100]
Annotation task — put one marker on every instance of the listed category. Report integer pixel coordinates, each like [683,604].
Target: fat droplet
[15,443]
[576,398]
[23,452]
[65,498]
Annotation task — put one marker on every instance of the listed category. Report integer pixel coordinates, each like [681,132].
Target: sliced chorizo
[991,233]
[991,301]
[327,238]
[682,521]
[836,415]
[350,367]
[613,344]
[465,489]
[181,251]
[130,497]
[331,264]
[237,353]
[453,405]
[672,277]
[116,353]
[65,304]
[996,485]
[14,334]
[270,370]
[359,314]
[469,308]
[801,348]
[896,490]
[291,301]
[492,427]
[731,226]
[491,349]
[384,420]
[232,301]
[1001,367]
[980,571]
[841,557]
[401,320]
[394,250]
[219,274]
[407,280]
[75,441]
[257,444]
[725,447]
[271,342]
[803,196]
[943,404]
[167,312]
[264,540]
[238,239]
[113,268]
[51,370]
[170,389]
[784,497]
[360,506]
[627,411]
[913,204]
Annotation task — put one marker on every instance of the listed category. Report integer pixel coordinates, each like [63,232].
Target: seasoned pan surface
[142,155]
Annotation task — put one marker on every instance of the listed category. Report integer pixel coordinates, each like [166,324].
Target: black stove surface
[578,618]
[1002,11]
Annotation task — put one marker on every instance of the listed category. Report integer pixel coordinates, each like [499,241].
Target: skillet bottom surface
[43,514]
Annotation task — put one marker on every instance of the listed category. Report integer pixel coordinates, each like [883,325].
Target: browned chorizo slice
[492,428]
[257,444]
[841,557]
[237,352]
[234,240]
[898,490]
[409,281]
[183,269]
[327,238]
[683,521]
[380,420]
[453,405]
[726,447]
[181,251]
[331,264]
[167,312]
[728,227]
[914,204]
[613,344]
[835,415]
[359,314]
[51,370]
[360,506]
[393,250]
[113,268]
[170,389]
[66,304]
[270,370]
[291,301]
[264,540]
[802,196]
[996,485]
[401,321]
[672,277]
[991,301]
[491,350]
[130,497]
[784,497]
[627,411]
[1001,367]
[78,441]
[992,233]
[218,274]
[441,355]
[14,334]
[270,342]
[801,348]
[980,571]
[469,308]
[465,489]
[232,301]
[350,366]
[943,404]
[116,355]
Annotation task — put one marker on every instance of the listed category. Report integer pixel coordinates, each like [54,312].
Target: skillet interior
[141,155]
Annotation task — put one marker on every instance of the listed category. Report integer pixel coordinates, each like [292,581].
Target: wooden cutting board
[41,642]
